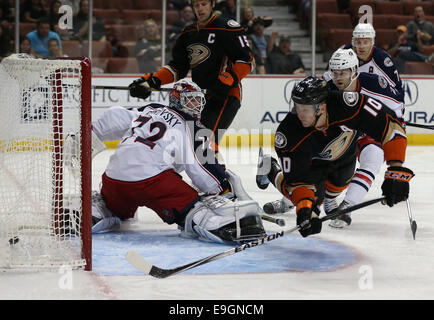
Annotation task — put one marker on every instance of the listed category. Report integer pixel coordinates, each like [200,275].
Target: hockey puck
[14,240]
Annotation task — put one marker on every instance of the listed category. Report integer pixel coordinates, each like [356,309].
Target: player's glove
[142,87]
[396,186]
[225,82]
[307,219]
[268,168]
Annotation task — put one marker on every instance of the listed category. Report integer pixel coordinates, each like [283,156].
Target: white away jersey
[381,63]
[154,139]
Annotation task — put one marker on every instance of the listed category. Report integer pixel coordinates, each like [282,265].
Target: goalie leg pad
[218,219]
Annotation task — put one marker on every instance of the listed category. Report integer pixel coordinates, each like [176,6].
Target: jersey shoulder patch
[350,98]
[280,140]
[233,23]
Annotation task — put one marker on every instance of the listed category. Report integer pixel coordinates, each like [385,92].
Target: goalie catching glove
[307,219]
[142,87]
[396,186]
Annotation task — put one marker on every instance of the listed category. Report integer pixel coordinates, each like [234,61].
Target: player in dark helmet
[316,146]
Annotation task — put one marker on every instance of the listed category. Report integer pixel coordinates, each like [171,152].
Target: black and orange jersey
[208,50]
[349,113]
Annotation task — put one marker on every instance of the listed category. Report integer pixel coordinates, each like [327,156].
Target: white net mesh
[40,200]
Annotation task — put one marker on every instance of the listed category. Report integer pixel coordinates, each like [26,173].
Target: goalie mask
[343,67]
[187,97]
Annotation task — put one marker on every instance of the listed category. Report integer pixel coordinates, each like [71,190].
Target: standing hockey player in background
[345,76]
[158,143]
[217,52]
[316,146]
[371,58]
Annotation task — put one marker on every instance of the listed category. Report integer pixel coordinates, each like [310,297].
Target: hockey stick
[278,221]
[413,224]
[126,88]
[143,265]
[423,126]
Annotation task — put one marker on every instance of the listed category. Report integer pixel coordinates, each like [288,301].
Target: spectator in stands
[260,65]
[186,17]
[5,17]
[228,9]
[263,42]
[419,23]
[5,42]
[25,46]
[178,4]
[118,49]
[148,47]
[32,10]
[403,50]
[248,18]
[55,51]
[81,24]
[426,50]
[282,60]
[39,37]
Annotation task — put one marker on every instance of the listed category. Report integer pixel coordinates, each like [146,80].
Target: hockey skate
[278,206]
[342,221]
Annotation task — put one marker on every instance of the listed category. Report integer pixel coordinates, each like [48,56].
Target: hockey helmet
[344,59]
[187,96]
[363,30]
[310,91]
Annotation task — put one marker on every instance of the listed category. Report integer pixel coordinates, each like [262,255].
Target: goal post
[45,182]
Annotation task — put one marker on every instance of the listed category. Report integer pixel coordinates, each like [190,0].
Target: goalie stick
[143,265]
[127,88]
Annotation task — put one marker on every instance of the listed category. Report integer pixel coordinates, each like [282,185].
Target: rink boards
[265,104]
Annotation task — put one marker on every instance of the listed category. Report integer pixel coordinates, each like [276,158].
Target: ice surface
[380,259]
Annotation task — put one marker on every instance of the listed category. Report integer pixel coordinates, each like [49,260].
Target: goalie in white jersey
[158,143]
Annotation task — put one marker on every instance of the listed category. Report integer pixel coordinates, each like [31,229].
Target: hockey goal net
[45,206]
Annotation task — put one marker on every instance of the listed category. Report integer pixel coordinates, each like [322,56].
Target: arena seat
[109,16]
[381,21]
[397,20]
[384,36]
[335,38]
[389,7]
[327,6]
[428,7]
[26,27]
[147,4]
[130,46]
[123,65]
[336,20]
[127,32]
[171,16]
[99,65]
[100,49]
[72,48]
[418,68]
[120,4]
[135,16]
